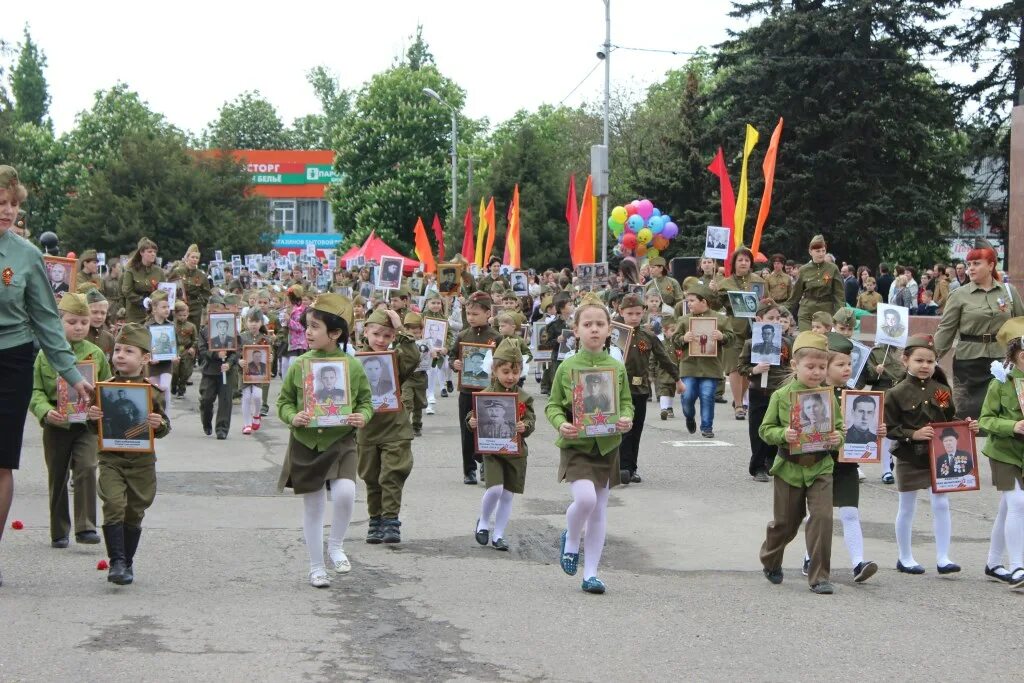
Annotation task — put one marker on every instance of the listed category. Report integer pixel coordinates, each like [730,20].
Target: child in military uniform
[507,328]
[589,463]
[700,375]
[219,379]
[818,286]
[255,334]
[385,445]
[822,322]
[803,482]
[433,308]
[869,299]
[555,334]
[923,397]
[1003,421]
[68,446]
[665,382]
[188,337]
[324,455]
[645,350]
[98,309]
[477,331]
[505,474]
[414,392]
[160,371]
[127,480]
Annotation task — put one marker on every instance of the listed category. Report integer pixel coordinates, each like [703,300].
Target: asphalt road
[221,591]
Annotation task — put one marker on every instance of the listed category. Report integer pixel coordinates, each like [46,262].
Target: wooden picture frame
[595,401]
[381,369]
[811,417]
[956,471]
[247,363]
[704,344]
[473,378]
[859,447]
[495,434]
[70,403]
[230,340]
[126,407]
[621,337]
[449,278]
[326,397]
[536,334]
[163,342]
[61,274]
[391,266]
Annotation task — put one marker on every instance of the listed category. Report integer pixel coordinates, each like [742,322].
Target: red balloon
[629,240]
[630,209]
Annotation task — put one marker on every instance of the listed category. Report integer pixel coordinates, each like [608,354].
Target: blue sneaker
[569,561]
[593,585]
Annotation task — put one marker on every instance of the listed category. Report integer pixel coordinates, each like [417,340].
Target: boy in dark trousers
[554,335]
[220,370]
[188,343]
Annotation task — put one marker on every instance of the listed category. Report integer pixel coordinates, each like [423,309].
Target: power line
[792,58]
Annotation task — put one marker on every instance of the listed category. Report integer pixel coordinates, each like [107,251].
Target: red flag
[513,245]
[439,236]
[718,168]
[583,251]
[769,182]
[468,245]
[572,215]
[422,248]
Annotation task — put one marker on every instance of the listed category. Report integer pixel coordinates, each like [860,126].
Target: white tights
[942,525]
[886,456]
[665,402]
[1008,530]
[285,362]
[589,508]
[435,381]
[252,401]
[343,500]
[163,383]
[495,498]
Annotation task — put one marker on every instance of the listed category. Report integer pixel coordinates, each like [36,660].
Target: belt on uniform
[983,338]
[803,459]
[637,381]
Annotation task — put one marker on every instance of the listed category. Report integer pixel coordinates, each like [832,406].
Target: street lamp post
[603,227]
[429,92]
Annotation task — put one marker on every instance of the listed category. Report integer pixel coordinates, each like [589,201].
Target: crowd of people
[358,367]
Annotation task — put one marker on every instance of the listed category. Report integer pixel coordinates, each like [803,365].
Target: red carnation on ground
[17,525]
[102,565]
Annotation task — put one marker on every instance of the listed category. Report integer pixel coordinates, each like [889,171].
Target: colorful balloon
[641,250]
[660,242]
[619,214]
[645,208]
[630,209]
[617,228]
[655,224]
[644,236]
[629,240]
[669,231]
[656,212]
[653,252]
[635,223]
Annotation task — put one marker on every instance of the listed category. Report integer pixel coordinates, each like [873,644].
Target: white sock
[597,527]
[255,401]
[886,456]
[343,502]
[904,526]
[313,526]
[1015,527]
[284,364]
[942,524]
[997,541]
[251,395]
[503,514]
[665,402]
[487,505]
[852,534]
[584,499]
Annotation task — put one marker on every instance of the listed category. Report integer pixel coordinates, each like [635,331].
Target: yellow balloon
[619,214]
[644,236]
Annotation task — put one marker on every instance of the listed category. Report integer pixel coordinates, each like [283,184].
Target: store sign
[291,174]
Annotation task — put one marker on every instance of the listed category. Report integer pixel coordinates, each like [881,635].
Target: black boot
[132,534]
[391,531]
[374,534]
[113,536]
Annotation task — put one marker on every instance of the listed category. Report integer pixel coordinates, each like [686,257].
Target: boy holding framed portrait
[68,445]
[254,365]
[702,337]
[128,415]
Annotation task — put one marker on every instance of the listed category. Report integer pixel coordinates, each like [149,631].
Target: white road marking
[702,442]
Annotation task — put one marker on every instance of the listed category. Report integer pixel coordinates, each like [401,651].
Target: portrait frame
[436,331]
[711,242]
[70,404]
[757,337]
[387,263]
[136,438]
[248,350]
[520,283]
[215,318]
[624,340]
[859,361]
[472,383]
[449,278]
[758,288]
[882,336]
[389,400]
[738,303]
[537,331]
[171,332]
[591,420]
[493,443]
[171,289]
[68,282]
[938,462]
[566,347]
[811,440]
[326,412]
[699,327]
[584,273]
[1018,389]
[868,452]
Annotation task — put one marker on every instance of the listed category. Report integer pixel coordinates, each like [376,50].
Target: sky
[188,58]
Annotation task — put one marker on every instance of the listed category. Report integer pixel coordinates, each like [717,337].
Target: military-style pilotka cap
[547,301]
[380,317]
[88,255]
[297,290]
[845,316]
[1011,329]
[334,304]
[134,334]
[482,299]
[839,343]
[146,243]
[784,311]
[404,291]
[822,318]
[810,340]
[157,296]
[180,305]
[818,242]
[497,287]
[192,249]
[85,286]
[920,341]
[94,296]
[508,351]
[631,301]
[505,317]
[657,261]
[591,299]
[74,304]
[668,320]
[413,319]
[701,291]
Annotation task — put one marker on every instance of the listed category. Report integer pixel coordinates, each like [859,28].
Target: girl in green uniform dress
[317,455]
[140,279]
[590,464]
[1003,421]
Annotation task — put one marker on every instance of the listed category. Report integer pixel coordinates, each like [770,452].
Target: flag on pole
[467,236]
[508,226]
[741,199]
[439,236]
[481,230]
[572,213]
[422,248]
[513,246]
[583,246]
[718,168]
[769,182]
[492,230]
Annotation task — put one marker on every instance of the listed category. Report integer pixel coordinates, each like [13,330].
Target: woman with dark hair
[27,311]
[974,313]
[741,280]
[139,280]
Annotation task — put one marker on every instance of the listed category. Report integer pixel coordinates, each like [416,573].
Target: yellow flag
[741,198]
[480,232]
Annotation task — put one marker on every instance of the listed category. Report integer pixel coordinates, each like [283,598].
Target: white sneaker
[430,409]
[860,474]
[318,579]
[339,561]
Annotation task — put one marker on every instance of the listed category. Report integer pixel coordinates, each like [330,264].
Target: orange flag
[769,181]
[422,247]
[513,246]
[583,245]
[491,233]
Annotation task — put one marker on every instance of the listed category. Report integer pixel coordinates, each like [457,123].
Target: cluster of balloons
[641,229]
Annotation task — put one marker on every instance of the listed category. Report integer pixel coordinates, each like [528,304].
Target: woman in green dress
[139,280]
[741,280]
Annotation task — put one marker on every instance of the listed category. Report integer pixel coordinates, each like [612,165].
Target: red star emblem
[331,408]
[600,418]
[815,437]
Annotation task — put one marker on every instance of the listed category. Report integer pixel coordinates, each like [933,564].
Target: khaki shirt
[869,301]
[971,310]
[737,283]
[528,418]
[701,366]
[136,285]
[670,290]
[44,379]
[780,286]
[910,405]
[644,350]
[818,283]
[195,283]
[773,432]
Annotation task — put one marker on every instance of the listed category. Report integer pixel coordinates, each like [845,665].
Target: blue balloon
[656,223]
[655,212]
[635,223]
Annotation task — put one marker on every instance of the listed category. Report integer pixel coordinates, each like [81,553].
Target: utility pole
[603,226]
[1015,234]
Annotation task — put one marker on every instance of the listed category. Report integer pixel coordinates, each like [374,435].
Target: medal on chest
[8,276]
[941,398]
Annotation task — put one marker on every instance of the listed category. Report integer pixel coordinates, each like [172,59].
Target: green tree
[116,113]
[316,131]
[156,187]
[28,85]
[45,168]
[870,153]
[250,121]
[7,118]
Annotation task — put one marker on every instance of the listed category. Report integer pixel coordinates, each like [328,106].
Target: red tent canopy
[374,248]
